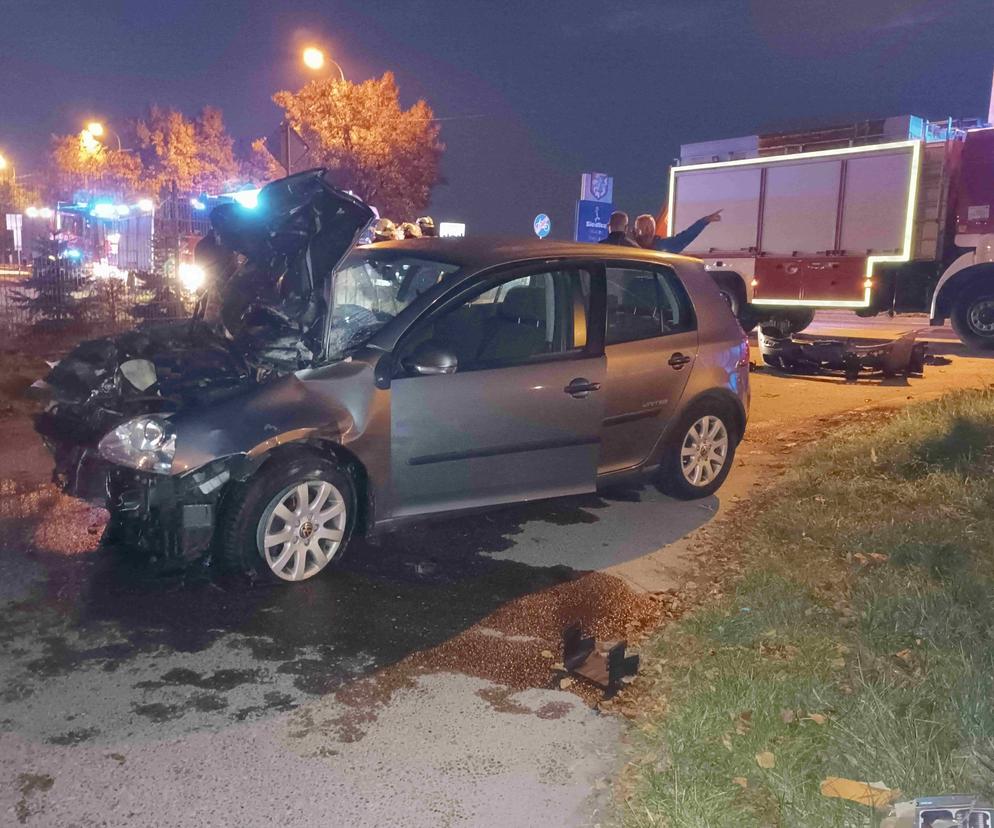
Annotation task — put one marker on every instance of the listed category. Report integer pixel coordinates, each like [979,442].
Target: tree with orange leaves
[82,162]
[387,155]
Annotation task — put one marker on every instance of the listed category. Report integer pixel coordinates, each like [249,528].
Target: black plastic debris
[902,357]
[605,666]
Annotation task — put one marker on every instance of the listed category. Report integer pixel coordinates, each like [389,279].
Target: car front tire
[290,521]
[700,451]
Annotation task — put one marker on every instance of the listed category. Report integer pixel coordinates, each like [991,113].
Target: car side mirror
[429,359]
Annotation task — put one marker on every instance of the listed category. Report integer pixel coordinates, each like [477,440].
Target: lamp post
[315,59]
[97,129]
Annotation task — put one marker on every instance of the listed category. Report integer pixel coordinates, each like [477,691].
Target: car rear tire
[973,319]
[700,451]
[291,521]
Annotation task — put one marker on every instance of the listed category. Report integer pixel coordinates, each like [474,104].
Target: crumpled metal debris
[902,357]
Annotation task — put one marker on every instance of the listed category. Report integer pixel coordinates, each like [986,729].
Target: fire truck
[890,215]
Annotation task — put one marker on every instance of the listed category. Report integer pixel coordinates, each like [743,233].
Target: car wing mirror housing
[430,359]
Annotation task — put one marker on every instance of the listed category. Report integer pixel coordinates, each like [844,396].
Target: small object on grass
[875,794]
[741,781]
[766,760]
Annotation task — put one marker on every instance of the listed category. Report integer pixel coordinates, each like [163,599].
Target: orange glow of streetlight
[3,163]
[313,58]
[95,128]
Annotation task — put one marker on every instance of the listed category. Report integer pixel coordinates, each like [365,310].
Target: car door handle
[678,360]
[581,387]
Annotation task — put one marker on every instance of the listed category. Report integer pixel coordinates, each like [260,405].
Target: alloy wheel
[704,451]
[302,529]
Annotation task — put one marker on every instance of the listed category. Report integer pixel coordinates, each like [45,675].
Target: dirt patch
[208,702]
[499,698]
[274,703]
[159,712]
[74,737]
[516,648]
[30,785]
[41,517]
[221,680]
[553,710]
[18,369]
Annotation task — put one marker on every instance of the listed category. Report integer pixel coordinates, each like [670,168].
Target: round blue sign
[542,225]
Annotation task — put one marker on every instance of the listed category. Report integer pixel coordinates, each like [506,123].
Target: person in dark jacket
[617,230]
[645,233]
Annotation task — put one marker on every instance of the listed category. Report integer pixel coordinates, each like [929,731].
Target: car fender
[292,409]
[723,395]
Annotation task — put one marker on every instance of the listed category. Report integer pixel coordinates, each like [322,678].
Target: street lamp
[314,59]
[96,131]
[6,168]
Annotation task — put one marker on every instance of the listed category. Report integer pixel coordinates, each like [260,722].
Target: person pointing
[645,233]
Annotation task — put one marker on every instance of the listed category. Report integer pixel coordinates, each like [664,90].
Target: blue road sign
[542,225]
[591,220]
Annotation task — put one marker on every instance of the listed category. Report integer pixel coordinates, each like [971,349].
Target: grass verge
[859,642]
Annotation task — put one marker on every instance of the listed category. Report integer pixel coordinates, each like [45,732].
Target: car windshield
[371,288]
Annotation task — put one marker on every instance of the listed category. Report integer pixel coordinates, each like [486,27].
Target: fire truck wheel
[973,319]
[785,323]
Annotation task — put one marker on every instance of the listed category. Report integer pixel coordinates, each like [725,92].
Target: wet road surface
[128,695]
[412,687]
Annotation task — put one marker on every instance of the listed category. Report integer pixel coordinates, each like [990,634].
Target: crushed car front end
[156,423]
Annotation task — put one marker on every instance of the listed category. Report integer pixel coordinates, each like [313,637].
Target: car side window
[514,322]
[644,303]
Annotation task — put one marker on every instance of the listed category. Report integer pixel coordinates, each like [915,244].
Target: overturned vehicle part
[116,405]
[902,357]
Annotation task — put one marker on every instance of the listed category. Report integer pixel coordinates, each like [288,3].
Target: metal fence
[97,307]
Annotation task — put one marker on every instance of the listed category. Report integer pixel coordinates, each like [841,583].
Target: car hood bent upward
[270,263]
[263,315]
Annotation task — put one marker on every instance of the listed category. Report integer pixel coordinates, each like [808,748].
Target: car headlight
[145,443]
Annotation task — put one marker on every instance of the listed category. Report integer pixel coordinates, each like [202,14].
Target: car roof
[475,253]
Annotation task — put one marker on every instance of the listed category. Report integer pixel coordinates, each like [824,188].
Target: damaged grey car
[323,389]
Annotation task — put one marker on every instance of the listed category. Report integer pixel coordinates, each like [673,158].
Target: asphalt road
[410,688]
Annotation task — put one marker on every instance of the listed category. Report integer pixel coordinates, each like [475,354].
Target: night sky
[534,93]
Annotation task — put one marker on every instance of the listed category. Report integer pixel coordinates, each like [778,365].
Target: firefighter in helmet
[427,226]
[384,230]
